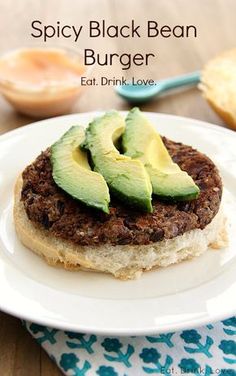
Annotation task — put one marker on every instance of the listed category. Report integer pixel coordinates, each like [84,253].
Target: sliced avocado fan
[141,142]
[126,177]
[72,173]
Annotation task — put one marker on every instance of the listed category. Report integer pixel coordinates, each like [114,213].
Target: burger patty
[53,209]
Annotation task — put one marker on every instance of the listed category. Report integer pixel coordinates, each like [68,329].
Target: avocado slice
[72,173]
[141,142]
[127,178]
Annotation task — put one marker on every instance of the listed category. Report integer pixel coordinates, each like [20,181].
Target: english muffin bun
[218,84]
[123,261]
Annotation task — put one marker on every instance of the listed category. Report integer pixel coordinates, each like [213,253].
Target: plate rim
[123,112]
[121,332]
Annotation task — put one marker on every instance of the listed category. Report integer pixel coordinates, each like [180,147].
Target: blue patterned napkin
[210,350]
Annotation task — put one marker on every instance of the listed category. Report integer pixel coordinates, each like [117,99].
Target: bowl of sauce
[42,82]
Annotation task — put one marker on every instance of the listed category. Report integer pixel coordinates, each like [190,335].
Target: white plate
[182,296]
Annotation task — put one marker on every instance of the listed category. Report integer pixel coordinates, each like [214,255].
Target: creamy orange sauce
[26,74]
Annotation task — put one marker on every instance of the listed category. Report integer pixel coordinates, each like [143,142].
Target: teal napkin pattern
[209,350]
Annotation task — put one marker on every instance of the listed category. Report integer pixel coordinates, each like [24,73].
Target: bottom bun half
[123,261]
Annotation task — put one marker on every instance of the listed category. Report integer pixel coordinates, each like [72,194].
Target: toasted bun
[218,84]
[123,261]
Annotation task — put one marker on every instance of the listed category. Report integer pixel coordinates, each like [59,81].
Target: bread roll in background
[218,84]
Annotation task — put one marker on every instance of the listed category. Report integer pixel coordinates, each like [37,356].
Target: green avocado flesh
[141,142]
[126,177]
[72,173]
